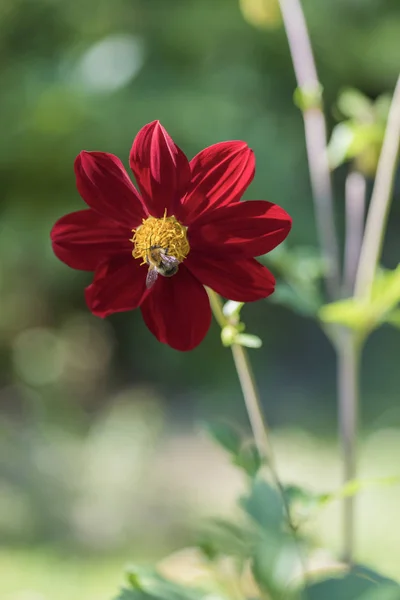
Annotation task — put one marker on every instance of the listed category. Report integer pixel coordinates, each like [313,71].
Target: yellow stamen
[166,233]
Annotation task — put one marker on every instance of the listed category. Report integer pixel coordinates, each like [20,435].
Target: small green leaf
[133,595]
[248,340]
[382,592]
[364,316]
[300,496]
[351,313]
[249,459]
[264,506]
[354,487]
[394,318]
[354,104]
[148,584]
[221,537]
[360,136]
[353,585]
[302,300]
[226,435]
[301,270]
[340,144]
[275,563]
[386,289]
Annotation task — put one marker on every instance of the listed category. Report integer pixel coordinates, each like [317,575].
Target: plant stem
[256,417]
[253,405]
[355,211]
[316,138]
[380,202]
[316,143]
[360,275]
[348,355]
[347,351]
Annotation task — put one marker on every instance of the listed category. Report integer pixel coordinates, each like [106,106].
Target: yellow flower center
[166,233]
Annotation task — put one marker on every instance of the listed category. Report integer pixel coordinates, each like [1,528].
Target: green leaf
[134,595]
[248,340]
[302,300]
[301,270]
[351,313]
[386,289]
[382,592]
[249,459]
[307,500]
[354,104]
[354,487]
[226,435]
[394,318]
[352,585]
[264,506]
[221,537]
[364,316]
[275,562]
[148,584]
[340,144]
[360,136]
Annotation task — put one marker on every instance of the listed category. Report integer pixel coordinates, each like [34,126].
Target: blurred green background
[101,455]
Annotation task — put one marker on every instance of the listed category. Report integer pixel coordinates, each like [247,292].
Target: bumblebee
[160,263]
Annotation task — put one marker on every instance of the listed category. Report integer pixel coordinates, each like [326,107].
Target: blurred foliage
[81,410]
[360,135]
[264,14]
[254,554]
[88,76]
[300,272]
[363,316]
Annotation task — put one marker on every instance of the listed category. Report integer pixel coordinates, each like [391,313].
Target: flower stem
[355,211]
[348,346]
[316,138]
[257,419]
[253,406]
[348,356]
[380,201]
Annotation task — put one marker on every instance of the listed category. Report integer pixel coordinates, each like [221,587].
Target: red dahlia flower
[186,225]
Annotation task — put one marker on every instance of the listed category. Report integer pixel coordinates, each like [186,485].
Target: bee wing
[170,261]
[151,277]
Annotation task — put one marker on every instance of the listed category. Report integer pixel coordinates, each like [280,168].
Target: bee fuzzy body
[160,263]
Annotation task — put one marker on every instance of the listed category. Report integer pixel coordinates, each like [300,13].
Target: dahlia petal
[84,239]
[242,229]
[105,186]
[220,175]
[241,280]
[178,311]
[161,169]
[119,285]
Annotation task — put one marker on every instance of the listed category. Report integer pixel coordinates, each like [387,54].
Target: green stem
[380,202]
[348,346]
[315,137]
[252,400]
[348,356]
[355,196]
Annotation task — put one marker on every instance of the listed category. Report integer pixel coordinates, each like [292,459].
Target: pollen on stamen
[166,233]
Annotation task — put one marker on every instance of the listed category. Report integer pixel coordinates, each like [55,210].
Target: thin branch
[257,419]
[348,354]
[380,201]
[355,213]
[316,138]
